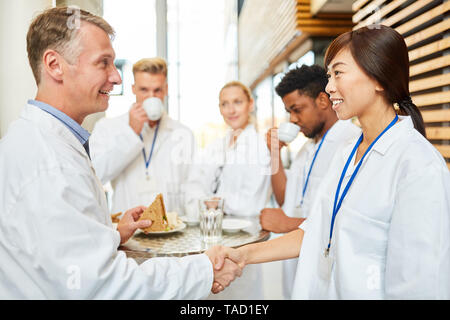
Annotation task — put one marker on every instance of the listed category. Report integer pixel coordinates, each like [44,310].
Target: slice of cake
[156,212]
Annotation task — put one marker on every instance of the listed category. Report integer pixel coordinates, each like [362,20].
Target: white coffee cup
[154,108]
[288,131]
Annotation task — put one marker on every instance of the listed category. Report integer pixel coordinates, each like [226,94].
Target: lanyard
[311,166]
[147,162]
[337,205]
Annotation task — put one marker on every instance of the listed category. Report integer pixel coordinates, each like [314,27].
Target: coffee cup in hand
[288,131]
[154,108]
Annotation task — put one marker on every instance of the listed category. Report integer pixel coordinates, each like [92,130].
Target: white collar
[388,138]
[46,121]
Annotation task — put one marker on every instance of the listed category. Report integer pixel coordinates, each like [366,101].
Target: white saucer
[234,225]
[189,221]
[180,227]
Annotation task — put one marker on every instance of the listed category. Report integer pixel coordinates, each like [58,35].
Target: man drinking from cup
[144,152]
[303,93]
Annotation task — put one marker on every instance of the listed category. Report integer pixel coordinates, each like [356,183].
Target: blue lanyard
[311,166]
[337,205]
[147,162]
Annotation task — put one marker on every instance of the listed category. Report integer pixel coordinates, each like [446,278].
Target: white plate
[234,225]
[189,221]
[180,227]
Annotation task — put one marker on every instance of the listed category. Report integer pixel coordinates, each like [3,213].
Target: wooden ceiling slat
[428,49]
[325,31]
[406,12]
[367,10]
[374,18]
[436,115]
[423,18]
[430,82]
[428,32]
[430,99]
[323,22]
[430,65]
[438,133]
[358,4]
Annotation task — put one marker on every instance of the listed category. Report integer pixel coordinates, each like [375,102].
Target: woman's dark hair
[382,53]
[309,80]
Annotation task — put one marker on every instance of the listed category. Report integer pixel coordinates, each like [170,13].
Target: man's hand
[137,117]
[275,220]
[129,223]
[272,140]
[227,264]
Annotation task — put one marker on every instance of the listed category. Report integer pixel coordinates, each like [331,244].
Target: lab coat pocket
[362,234]
[361,254]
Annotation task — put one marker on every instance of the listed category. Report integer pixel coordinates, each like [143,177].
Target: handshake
[228,264]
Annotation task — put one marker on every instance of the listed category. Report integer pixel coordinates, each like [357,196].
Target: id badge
[297,212]
[325,266]
[147,185]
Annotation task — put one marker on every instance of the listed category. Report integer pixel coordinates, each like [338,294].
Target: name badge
[147,185]
[326,263]
[297,212]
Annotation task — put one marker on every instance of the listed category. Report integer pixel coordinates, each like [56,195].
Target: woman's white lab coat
[244,184]
[117,156]
[337,136]
[56,236]
[241,173]
[391,237]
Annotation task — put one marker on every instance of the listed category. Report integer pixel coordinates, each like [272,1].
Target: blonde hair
[239,84]
[151,65]
[57,29]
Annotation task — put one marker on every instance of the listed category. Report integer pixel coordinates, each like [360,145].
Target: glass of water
[211,215]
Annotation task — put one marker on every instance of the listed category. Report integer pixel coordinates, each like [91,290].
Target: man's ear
[52,64]
[323,100]
[133,89]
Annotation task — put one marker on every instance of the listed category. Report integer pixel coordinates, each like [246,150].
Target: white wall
[16,79]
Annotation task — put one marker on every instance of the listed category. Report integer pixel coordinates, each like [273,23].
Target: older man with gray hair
[56,236]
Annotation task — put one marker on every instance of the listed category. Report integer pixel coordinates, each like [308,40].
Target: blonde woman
[236,168]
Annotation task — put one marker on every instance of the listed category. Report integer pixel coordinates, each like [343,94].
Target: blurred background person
[303,93]
[236,168]
[139,156]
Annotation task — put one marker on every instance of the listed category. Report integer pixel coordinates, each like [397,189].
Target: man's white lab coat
[56,236]
[391,237]
[117,156]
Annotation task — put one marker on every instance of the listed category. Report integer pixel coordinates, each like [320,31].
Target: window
[135,26]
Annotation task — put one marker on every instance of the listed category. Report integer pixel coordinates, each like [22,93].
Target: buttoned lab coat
[117,156]
[337,136]
[391,237]
[244,185]
[56,236]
